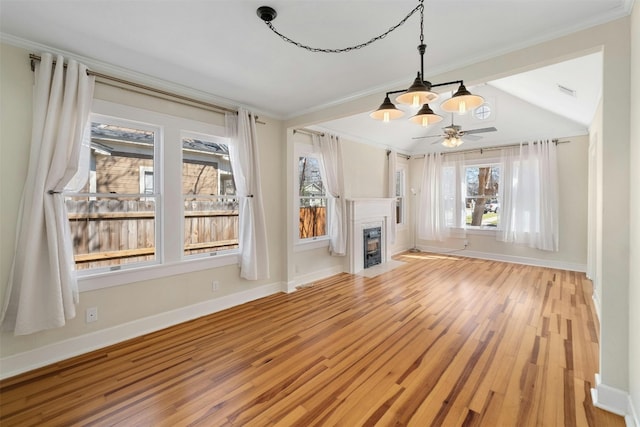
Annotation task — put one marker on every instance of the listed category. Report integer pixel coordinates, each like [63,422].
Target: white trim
[46,355]
[310,244]
[561,265]
[596,303]
[139,273]
[613,400]
[305,279]
[631,419]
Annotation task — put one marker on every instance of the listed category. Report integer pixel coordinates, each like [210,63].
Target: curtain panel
[329,148]
[530,197]
[245,161]
[431,218]
[42,290]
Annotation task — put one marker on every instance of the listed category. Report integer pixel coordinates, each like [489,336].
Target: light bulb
[425,122]
[386,117]
[416,101]
[462,107]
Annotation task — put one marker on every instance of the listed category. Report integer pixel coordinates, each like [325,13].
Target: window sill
[311,244]
[482,231]
[107,279]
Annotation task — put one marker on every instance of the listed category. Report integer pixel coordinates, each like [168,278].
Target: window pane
[482,201]
[121,160]
[313,217]
[399,196]
[112,224]
[210,205]
[312,198]
[110,231]
[310,177]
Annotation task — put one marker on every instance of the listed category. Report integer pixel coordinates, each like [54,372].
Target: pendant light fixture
[419,94]
[462,101]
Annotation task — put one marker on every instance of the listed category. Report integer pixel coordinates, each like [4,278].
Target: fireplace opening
[372,239]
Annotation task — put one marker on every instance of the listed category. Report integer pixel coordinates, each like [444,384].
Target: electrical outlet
[466,243]
[215,286]
[91,314]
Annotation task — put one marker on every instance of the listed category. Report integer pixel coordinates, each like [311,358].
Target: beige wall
[634,252]
[120,305]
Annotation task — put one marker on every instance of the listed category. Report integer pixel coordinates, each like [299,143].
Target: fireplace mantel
[367,213]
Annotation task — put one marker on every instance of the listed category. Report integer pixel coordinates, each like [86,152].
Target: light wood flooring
[438,341]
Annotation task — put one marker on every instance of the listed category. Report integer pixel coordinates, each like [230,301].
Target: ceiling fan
[452,136]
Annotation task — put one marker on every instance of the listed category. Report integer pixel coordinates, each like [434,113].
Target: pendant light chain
[420,7]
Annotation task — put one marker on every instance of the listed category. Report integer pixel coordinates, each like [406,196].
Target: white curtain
[442,209]
[245,161]
[391,193]
[529,194]
[431,218]
[453,193]
[43,288]
[329,147]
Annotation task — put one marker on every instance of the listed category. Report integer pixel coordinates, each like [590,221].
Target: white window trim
[170,259]
[314,242]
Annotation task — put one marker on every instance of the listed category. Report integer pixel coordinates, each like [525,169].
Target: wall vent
[566,90]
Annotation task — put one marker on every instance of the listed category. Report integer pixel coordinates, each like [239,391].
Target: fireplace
[372,246]
[363,215]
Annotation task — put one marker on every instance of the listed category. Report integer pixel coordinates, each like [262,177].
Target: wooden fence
[313,221]
[112,232]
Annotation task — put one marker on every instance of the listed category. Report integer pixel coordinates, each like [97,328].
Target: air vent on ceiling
[566,90]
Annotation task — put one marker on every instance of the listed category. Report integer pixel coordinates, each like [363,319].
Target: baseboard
[305,279]
[43,356]
[560,265]
[614,400]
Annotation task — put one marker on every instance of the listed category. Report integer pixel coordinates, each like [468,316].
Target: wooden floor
[439,341]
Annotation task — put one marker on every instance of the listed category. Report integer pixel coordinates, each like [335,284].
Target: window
[113,220]
[210,205]
[149,172]
[400,196]
[482,112]
[312,197]
[482,199]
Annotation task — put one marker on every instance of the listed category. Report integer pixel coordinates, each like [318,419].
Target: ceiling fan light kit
[418,94]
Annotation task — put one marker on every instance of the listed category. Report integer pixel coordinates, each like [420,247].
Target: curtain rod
[186,100]
[497,147]
[307,131]
[399,154]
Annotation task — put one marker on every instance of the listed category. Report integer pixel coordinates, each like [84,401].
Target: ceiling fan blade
[427,136]
[472,137]
[481,130]
[437,142]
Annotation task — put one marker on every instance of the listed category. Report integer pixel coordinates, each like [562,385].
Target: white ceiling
[221,47]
